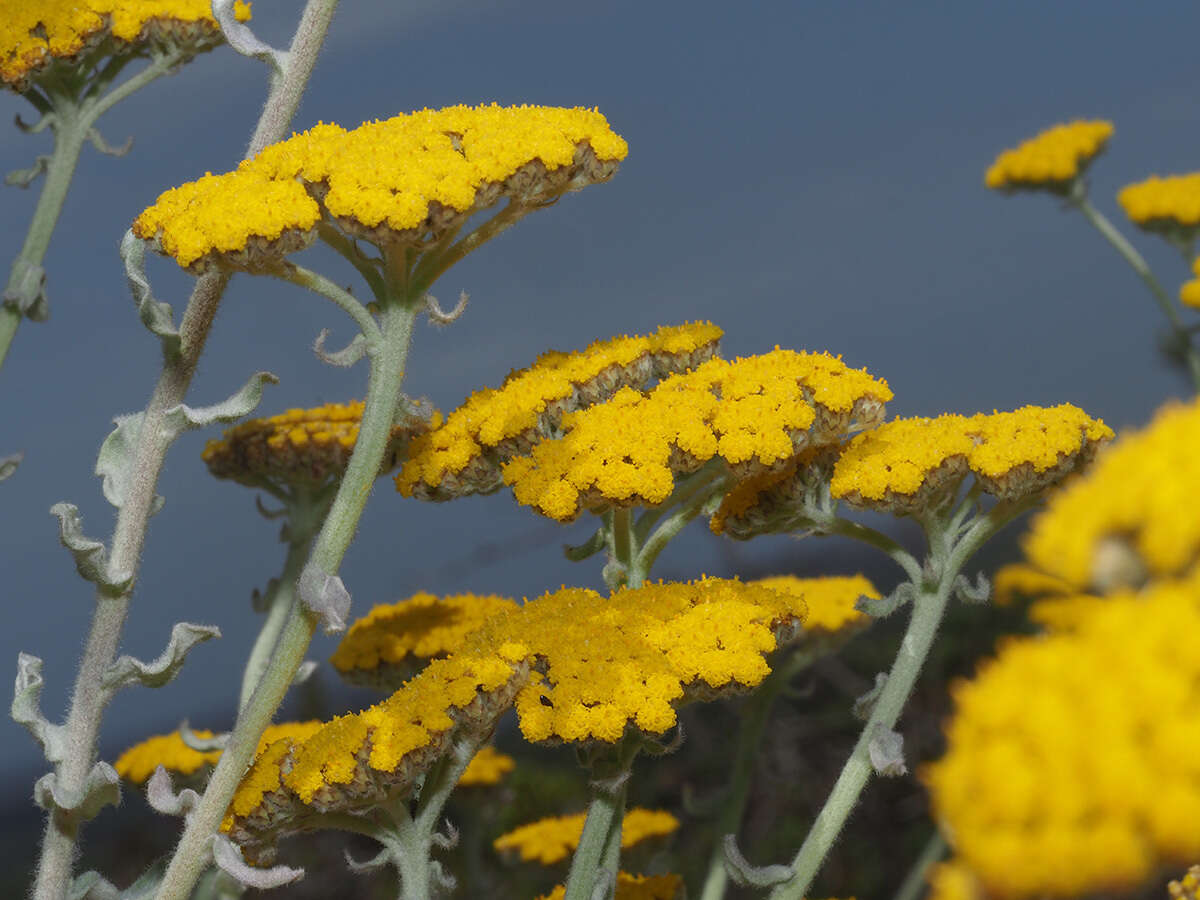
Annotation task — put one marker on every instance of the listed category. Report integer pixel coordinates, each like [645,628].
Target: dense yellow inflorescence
[1163,204]
[1187,887]
[300,446]
[35,34]
[464,454]
[1052,159]
[406,181]
[549,841]
[487,767]
[908,464]
[1071,767]
[418,629]
[636,887]
[830,599]
[578,666]
[1131,514]
[752,413]
[169,751]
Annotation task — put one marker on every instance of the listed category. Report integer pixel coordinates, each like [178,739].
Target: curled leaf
[376,862]
[304,672]
[325,596]
[438,316]
[242,39]
[979,592]
[26,288]
[97,140]
[114,463]
[242,402]
[886,749]
[885,606]
[184,636]
[27,708]
[23,178]
[101,788]
[229,857]
[158,317]
[162,797]
[91,558]
[344,358]
[742,873]
[865,704]
[580,552]
[8,464]
[199,744]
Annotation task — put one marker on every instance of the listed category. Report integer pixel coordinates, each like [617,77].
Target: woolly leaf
[242,402]
[325,596]
[27,708]
[91,558]
[102,788]
[229,857]
[158,317]
[344,358]
[184,636]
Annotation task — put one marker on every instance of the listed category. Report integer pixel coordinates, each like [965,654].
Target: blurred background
[809,175]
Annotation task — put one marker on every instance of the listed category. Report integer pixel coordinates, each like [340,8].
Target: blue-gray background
[801,174]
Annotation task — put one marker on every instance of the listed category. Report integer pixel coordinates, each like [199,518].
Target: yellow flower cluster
[169,751]
[548,841]
[407,181]
[830,599]
[951,880]
[636,887]
[300,446]
[1071,767]
[1052,159]
[1056,606]
[1189,292]
[1131,514]
[35,34]
[356,761]
[393,640]
[1187,887]
[909,464]
[753,413]
[487,767]
[464,455]
[1163,204]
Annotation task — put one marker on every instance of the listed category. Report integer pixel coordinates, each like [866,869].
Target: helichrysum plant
[1087,783]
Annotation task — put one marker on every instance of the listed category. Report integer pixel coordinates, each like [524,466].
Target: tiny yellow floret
[1052,160]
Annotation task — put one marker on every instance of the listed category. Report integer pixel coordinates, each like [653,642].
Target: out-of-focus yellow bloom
[1187,887]
[393,640]
[1189,292]
[1132,514]
[487,767]
[1052,159]
[1071,766]
[33,35]
[1166,204]
[301,446]
[405,181]
[752,413]
[463,456]
[636,887]
[909,465]
[951,880]
[830,599]
[169,751]
[551,840]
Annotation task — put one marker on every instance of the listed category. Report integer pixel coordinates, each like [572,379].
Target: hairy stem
[1138,264]
[388,361]
[280,606]
[598,852]
[89,698]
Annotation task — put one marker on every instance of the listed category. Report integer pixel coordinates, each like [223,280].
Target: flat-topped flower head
[753,414]
[637,887]
[605,664]
[1052,160]
[308,447]
[910,465]
[35,36]
[1071,767]
[463,456]
[355,762]
[407,181]
[393,641]
[170,751]
[1169,206]
[1131,515]
[551,840]
[486,768]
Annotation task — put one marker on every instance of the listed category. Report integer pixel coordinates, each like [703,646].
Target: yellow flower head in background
[406,181]
[1052,160]
[1071,767]
[830,600]
[753,414]
[1189,292]
[486,768]
[637,887]
[549,841]
[35,34]
[909,465]
[1168,205]
[393,640]
[138,763]
[463,456]
[1132,514]
[302,446]
[951,880]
